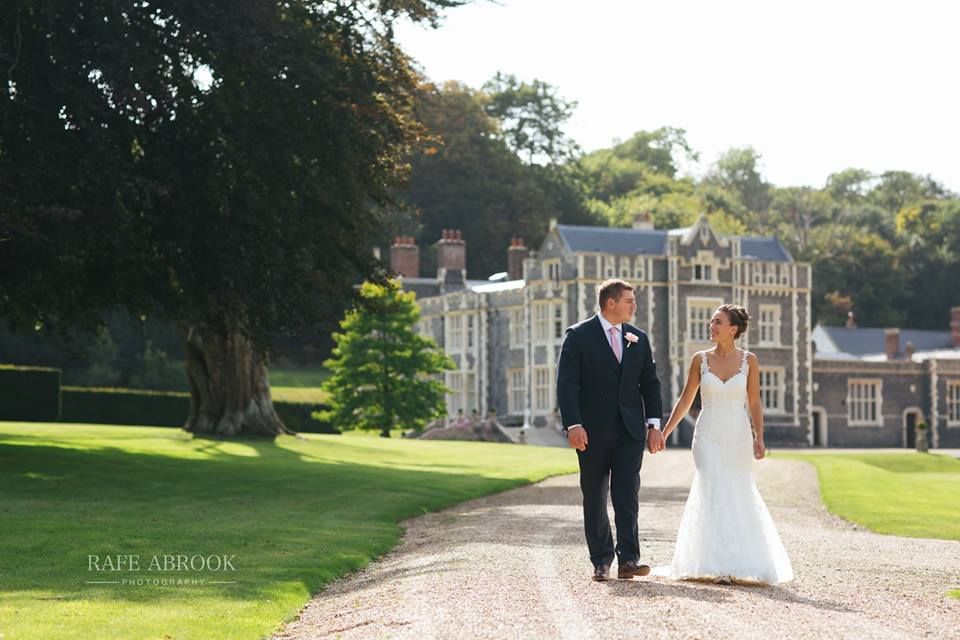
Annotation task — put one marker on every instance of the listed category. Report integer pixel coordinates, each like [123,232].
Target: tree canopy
[221,165]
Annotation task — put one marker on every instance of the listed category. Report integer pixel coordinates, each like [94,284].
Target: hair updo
[737,316]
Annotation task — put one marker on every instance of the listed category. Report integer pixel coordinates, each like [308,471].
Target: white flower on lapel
[631,338]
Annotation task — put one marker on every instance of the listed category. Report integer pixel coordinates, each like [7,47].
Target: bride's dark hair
[737,316]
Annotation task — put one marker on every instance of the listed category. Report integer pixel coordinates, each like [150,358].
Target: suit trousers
[611,464]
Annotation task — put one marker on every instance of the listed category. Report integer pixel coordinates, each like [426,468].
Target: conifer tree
[384,372]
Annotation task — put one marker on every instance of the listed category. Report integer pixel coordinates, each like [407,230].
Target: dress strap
[703,363]
[743,364]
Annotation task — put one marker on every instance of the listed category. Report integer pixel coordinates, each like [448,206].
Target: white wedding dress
[726,531]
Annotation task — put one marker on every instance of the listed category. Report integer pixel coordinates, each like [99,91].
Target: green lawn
[294,514]
[954,594]
[904,494]
[299,385]
[298,377]
[299,394]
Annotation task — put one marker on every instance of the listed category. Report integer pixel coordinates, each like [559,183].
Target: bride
[726,533]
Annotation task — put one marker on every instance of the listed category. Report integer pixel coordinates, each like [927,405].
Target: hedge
[164,409]
[29,393]
[125,406]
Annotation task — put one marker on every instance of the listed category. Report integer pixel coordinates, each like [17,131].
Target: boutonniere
[631,338]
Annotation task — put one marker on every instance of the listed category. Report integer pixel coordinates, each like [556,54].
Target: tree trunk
[229,391]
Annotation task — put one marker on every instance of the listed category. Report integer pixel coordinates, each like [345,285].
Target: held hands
[655,440]
[577,437]
[759,451]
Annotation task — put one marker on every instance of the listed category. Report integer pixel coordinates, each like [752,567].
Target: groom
[609,397]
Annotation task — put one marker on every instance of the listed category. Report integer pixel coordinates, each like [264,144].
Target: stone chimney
[909,350]
[643,220]
[452,260]
[516,254]
[851,320]
[405,257]
[891,343]
[955,327]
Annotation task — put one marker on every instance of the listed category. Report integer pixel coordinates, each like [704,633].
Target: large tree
[467,177]
[531,116]
[218,164]
[739,171]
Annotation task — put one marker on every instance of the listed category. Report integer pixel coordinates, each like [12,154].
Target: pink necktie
[615,342]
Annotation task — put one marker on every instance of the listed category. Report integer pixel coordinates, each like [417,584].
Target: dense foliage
[883,245]
[383,371]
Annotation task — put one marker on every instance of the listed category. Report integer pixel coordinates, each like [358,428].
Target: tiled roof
[614,240]
[764,249]
[622,241]
[864,341]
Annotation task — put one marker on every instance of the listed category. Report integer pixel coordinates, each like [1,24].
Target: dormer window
[553,270]
[703,273]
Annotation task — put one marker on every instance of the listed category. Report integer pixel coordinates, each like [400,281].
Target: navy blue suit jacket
[595,390]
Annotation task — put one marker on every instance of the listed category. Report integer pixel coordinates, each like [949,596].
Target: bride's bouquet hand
[759,451]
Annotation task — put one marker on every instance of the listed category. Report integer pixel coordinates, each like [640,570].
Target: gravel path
[514,565]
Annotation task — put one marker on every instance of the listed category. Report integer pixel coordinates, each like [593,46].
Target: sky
[815,87]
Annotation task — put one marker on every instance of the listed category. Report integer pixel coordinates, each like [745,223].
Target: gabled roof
[613,240]
[866,341]
[620,241]
[764,249]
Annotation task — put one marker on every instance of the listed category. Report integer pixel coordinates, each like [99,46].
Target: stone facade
[505,336]
[861,389]
[873,386]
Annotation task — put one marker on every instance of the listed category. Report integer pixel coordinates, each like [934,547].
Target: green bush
[164,409]
[29,393]
[303,416]
[102,356]
[159,372]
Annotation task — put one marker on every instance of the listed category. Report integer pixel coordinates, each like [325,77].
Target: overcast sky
[813,86]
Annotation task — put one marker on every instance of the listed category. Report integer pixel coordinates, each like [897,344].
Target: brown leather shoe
[629,569]
[601,573]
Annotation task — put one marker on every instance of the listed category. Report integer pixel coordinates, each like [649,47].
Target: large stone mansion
[829,385]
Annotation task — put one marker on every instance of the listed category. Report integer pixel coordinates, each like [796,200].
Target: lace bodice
[724,415]
[713,389]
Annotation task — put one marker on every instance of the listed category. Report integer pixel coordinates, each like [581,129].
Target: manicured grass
[295,514]
[299,394]
[356,433]
[904,494]
[298,377]
[955,593]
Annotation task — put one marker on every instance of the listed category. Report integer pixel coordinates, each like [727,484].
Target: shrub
[159,372]
[102,356]
[302,416]
[29,393]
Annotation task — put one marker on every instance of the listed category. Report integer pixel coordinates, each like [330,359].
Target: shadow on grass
[289,521]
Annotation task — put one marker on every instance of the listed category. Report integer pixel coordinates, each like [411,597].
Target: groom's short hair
[612,290]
